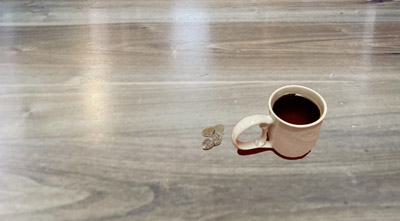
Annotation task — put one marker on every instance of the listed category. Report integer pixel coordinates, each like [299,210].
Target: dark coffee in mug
[296,109]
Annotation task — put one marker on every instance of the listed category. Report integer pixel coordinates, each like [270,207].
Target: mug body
[293,140]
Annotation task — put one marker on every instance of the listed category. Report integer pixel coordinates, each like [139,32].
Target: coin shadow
[259,150]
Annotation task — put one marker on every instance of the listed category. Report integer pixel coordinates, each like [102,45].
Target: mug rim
[320,119]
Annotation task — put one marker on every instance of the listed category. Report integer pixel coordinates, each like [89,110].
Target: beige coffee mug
[289,140]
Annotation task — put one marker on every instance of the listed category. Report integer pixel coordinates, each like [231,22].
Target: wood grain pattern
[102,105]
[45,12]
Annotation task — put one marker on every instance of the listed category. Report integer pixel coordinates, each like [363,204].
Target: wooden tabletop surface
[102,104]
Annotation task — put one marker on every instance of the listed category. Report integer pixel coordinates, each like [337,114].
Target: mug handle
[264,121]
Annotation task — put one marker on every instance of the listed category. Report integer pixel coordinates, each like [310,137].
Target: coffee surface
[296,109]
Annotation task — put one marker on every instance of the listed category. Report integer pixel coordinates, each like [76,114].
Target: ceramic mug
[289,140]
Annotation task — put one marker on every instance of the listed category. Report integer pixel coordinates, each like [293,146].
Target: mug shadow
[259,150]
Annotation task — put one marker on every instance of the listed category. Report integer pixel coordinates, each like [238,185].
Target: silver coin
[217,139]
[208,131]
[219,129]
[208,143]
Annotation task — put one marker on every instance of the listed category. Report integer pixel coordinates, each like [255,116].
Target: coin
[219,128]
[208,131]
[208,143]
[217,139]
